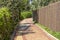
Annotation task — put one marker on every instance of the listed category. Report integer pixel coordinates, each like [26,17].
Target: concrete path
[31,33]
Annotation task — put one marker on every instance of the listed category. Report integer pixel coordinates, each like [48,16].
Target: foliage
[26,14]
[5,28]
[41,3]
[56,34]
[10,11]
[15,6]
[4,11]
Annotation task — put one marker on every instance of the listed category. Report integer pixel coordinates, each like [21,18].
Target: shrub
[26,14]
[6,24]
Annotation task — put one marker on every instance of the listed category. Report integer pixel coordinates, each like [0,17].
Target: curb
[49,35]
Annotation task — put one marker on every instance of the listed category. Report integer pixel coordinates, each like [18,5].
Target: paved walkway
[31,33]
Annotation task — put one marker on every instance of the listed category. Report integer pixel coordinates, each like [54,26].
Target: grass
[55,34]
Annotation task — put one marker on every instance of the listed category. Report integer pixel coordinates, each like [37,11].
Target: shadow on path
[24,29]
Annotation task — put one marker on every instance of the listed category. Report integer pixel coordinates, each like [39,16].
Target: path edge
[48,34]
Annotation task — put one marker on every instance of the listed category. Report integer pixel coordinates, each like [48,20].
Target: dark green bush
[6,24]
[26,14]
[4,31]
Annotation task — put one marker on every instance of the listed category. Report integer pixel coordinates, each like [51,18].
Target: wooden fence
[49,16]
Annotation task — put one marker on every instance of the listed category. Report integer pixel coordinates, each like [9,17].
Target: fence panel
[49,16]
